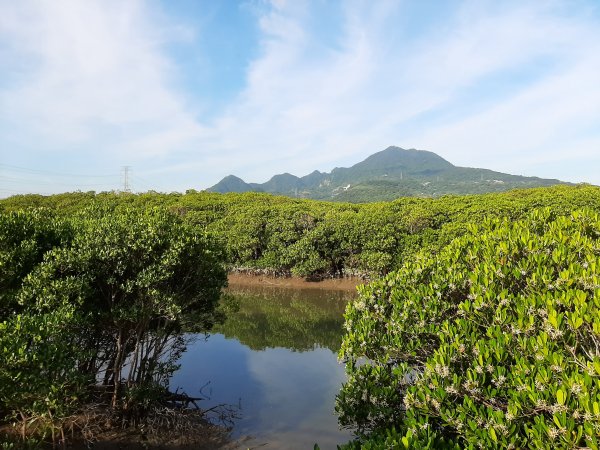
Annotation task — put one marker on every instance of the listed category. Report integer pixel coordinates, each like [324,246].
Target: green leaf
[560,397]
[597,365]
[557,421]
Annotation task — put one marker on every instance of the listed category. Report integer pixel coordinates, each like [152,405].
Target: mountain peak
[385,175]
[410,159]
[231,183]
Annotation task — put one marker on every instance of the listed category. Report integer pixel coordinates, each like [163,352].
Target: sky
[186,92]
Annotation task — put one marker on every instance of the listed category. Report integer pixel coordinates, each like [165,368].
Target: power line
[48,182]
[49,172]
[141,182]
[18,180]
[10,190]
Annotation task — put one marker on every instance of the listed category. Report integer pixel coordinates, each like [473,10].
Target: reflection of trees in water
[140,361]
[297,319]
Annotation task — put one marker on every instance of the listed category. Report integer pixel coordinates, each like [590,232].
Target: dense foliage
[24,239]
[493,343]
[279,235]
[93,305]
[477,335]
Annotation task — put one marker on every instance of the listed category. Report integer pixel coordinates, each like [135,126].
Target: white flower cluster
[553,333]
[442,370]
[557,408]
[471,387]
[451,390]
[515,330]
[498,382]
[576,388]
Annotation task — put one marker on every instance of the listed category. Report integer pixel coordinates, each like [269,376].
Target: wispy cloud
[551,118]
[509,86]
[95,73]
[315,103]
[303,94]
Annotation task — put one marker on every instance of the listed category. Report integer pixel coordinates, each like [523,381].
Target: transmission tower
[125,174]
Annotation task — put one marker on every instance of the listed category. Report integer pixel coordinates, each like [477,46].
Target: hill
[386,175]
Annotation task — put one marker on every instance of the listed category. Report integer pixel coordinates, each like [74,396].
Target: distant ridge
[385,175]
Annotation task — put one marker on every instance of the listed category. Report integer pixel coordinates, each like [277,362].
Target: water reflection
[296,319]
[275,358]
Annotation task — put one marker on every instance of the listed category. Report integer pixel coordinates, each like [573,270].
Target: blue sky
[186,92]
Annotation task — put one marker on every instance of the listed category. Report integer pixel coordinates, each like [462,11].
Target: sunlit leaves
[492,343]
[87,295]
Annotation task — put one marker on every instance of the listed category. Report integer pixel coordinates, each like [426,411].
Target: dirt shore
[341,284]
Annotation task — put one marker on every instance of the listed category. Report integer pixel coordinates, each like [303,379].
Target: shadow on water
[275,359]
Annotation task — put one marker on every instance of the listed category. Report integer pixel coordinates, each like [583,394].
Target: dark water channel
[275,360]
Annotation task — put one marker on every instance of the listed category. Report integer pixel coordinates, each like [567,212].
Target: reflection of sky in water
[287,397]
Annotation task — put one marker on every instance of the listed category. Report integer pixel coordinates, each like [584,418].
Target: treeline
[313,239]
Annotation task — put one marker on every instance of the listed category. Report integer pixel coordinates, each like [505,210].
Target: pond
[275,360]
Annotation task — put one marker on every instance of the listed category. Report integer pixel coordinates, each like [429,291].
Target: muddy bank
[342,284]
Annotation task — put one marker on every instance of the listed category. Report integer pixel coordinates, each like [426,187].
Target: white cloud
[546,122]
[96,77]
[301,93]
[312,104]
[96,72]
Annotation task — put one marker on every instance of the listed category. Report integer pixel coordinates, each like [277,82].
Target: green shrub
[263,233]
[40,381]
[25,236]
[493,343]
[136,276]
[102,298]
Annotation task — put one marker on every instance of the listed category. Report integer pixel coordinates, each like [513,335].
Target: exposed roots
[95,425]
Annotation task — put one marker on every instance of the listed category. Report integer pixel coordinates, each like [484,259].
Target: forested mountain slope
[386,175]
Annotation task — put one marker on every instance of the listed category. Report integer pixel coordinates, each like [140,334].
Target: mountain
[386,175]
[231,183]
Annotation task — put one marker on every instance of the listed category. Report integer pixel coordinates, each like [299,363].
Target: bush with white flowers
[492,343]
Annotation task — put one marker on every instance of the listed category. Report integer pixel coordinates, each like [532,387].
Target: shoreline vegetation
[94,308]
[491,343]
[193,432]
[96,289]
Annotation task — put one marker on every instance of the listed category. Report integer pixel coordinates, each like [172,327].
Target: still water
[275,360]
